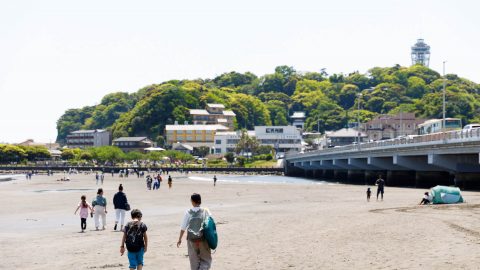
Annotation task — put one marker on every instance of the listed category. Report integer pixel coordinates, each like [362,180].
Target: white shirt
[186,218]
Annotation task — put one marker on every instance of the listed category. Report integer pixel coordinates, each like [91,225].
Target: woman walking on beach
[121,206]
[84,206]
[100,209]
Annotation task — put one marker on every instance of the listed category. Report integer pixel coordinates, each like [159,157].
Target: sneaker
[115,227]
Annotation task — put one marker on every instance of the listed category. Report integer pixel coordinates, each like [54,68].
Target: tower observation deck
[421,53]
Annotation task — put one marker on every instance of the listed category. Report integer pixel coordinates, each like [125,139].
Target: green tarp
[443,194]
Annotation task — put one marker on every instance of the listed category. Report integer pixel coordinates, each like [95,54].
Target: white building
[282,138]
[298,119]
[88,138]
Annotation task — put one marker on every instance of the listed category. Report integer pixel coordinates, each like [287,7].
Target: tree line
[329,100]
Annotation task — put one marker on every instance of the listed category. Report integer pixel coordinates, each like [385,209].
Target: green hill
[330,101]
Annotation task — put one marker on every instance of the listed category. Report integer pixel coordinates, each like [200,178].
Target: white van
[470,126]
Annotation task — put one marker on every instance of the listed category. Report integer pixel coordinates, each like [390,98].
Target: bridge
[448,158]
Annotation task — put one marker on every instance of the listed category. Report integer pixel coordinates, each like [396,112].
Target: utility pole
[444,84]
[358,120]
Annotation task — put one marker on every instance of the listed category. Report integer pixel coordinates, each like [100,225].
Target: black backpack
[134,241]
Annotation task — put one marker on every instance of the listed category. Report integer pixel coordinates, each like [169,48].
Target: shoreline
[260,226]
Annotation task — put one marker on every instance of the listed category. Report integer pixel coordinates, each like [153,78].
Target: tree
[68,154]
[10,153]
[36,152]
[250,111]
[134,156]
[246,144]
[230,157]
[111,154]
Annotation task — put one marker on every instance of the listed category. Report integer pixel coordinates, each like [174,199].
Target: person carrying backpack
[199,252]
[135,239]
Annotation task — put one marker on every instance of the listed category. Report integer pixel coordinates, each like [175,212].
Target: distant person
[170,181]
[214,180]
[369,193]
[100,209]
[199,252]
[136,239]
[84,206]
[113,173]
[97,177]
[426,199]
[102,177]
[120,203]
[380,186]
[155,183]
[149,182]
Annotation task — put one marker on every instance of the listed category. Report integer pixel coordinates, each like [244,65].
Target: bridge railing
[409,140]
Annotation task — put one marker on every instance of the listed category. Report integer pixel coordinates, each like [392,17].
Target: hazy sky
[57,54]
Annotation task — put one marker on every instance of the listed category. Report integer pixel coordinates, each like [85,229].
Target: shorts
[135,258]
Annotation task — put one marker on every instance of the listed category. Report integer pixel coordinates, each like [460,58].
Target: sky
[56,54]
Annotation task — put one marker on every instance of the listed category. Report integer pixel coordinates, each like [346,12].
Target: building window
[218,150]
[218,141]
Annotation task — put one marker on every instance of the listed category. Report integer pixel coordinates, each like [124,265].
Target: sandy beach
[260,226]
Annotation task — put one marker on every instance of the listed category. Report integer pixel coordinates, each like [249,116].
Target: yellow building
[193,135]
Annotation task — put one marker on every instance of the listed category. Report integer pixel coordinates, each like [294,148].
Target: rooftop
[215,105]
[195,127]
[298,115]
[130,139]
[345,132]
[199,112]
[88,131]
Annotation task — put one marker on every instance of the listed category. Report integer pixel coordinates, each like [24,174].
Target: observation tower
[420,53]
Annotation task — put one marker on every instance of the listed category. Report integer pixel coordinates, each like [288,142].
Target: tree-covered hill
[330,101]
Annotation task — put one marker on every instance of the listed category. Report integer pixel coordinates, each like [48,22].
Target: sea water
[260,179]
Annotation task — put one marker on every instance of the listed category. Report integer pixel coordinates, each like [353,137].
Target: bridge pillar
[309,173]
[400,178]
[356,177]
[329,174]
[372,176]
[340,175]
[431,179]
[466,181]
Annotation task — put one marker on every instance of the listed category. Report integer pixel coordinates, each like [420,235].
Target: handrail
[444,137]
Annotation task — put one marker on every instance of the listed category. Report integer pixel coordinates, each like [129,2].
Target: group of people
[99,177]
[380,183]
[135,239]
[154,182]
[98,209]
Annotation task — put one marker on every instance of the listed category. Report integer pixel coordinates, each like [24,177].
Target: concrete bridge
[449,158]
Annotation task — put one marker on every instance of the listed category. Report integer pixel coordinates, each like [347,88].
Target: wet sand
[260,226]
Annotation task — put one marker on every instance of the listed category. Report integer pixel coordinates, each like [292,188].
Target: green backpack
[210,232]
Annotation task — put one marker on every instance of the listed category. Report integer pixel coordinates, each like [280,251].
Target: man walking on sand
[199,252]
[380,186]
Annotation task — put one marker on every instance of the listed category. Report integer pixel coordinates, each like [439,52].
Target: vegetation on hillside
[330,101]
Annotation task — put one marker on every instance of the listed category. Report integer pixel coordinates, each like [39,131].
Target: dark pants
[83,223]
[379,191]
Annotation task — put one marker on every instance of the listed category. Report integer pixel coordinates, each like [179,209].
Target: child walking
[84,206]
[136,240]
[369,192]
